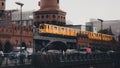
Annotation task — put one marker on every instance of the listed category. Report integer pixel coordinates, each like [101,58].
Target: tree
[106,31]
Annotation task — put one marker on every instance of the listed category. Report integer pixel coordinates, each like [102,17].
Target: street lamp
[21,5]
[101,28]
[34,31]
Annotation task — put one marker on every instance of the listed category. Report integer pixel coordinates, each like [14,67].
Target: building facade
[49,13]
[27,17]
[10,32]
[109,24]
[2,7]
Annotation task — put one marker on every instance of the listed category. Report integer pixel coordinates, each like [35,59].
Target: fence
[12,59]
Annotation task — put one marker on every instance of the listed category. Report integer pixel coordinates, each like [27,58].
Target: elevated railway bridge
[52,42]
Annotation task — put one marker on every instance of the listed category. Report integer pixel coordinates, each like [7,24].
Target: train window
[58,28]
[75,31]
[69,30]
[51,27]
[62,29]
[48,26]
[42,27]
[90,34]
[93,34]
[83,32]
[99,34]
[55,28]
[65,29]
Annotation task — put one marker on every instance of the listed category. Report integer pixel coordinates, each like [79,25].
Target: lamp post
[21,5]
[34,31]
[101,28]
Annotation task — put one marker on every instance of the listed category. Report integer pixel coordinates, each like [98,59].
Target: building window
[47,16]
[24,23]
[2,29]
[42,22]
[58,1]
[30,22]
[18,28]
[15,28]
[54,16]
[38,17]
[2,3]
[61,17]
[19,22]
[58,16]
[64,17]
[42,16]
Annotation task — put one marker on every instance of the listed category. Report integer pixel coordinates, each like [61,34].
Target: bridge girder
[58,43]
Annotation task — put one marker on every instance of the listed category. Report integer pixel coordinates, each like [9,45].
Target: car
[82,50]
[98,51]
[14,54]
[70,51]
[54,51]
[110,51]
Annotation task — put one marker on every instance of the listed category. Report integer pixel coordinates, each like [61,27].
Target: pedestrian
[1,57]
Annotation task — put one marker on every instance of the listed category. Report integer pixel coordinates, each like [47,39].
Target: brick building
[10,32]
[50,13]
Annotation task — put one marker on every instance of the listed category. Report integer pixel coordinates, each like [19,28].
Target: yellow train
[71,32]
[57,30]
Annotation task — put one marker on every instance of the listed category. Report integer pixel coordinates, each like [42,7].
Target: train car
[98,41]
[99,36]
[49,29]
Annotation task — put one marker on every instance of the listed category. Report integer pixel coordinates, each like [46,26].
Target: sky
[78,11]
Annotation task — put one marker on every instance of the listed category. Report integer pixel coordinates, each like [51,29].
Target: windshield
[42,26]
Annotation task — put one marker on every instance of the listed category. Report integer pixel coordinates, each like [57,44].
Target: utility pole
[21,5]
[101,21]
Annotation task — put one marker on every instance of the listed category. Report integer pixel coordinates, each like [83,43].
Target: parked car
[110,51]
[70,51]
[14,54]
[83,50]
[54,51]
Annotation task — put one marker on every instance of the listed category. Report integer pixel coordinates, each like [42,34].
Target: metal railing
[12,60]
